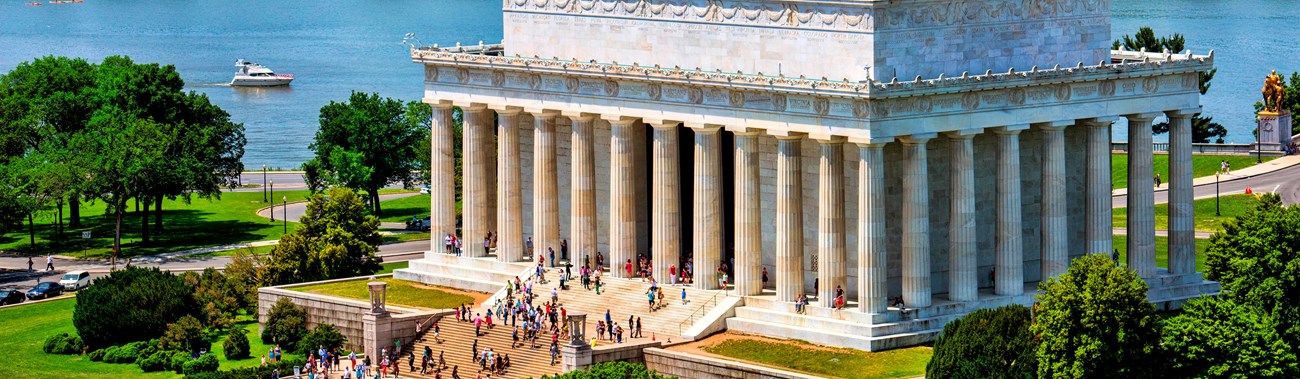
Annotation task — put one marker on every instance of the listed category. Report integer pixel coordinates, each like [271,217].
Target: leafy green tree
[236,345]
[220,296]
[335,239]
[369,142]
[286,324]
[1204,129]
[186,334]
[1257,260]
[131,304]
[128,150]
[987,343]
[323,336]
[1094,321]
[1215,337]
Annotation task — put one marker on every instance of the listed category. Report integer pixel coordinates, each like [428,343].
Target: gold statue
[1274,92]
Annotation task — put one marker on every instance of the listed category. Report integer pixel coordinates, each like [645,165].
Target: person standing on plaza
[672,274]
[564,249]
[529,245]
[446,243]
[764,276]
[487,243]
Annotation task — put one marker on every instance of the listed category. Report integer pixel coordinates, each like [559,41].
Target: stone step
[446,281]
[481,263]
[776,330]
[846,327]
[475,273]
[457,339]
[1182,291]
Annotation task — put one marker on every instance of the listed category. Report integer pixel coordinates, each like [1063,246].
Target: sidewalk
[1248,172]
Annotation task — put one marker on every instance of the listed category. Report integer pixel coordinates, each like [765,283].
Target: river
[333,47]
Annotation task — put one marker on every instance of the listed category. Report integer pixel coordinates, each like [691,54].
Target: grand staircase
[627,297]
[457,339]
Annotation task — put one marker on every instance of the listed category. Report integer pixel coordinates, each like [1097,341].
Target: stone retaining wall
[344,314]
[688,366]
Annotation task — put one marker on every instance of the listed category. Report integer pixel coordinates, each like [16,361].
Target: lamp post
[272,204]
[263,183]
[1259,147]
[1216,196]
[285,201]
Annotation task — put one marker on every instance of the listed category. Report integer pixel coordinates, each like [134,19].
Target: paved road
[289,180]
[1285,182]
[13,270]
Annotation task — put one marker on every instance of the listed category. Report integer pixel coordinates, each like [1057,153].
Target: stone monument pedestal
[1274,130]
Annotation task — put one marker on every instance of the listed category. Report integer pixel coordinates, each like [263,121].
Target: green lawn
[400,292]
[202,222]
[1230,207]
[846,363]
[389,267]
[26,326]
[400,210]
[1162,251]
[1202,165]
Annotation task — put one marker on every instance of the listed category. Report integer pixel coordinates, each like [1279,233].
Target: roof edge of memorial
[1122,64]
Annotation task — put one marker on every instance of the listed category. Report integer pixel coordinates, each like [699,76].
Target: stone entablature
[863,110]
[887,38]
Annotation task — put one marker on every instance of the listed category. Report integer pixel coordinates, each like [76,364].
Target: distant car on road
[424,190]
[11,296]
[45,290]
[75,280]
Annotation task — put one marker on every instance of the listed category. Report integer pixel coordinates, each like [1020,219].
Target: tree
[1204,129]
[186,334]
[1215,337]
[323,336]
[1094,321]
[219,296]
[367,143]
[128,150]
[131,304]
[987,343]
[1258,263]
[335,239]
[286,323]
[236,345]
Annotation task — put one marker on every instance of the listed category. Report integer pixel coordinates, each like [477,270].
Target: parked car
[75,280]
[45,290]
[11,296]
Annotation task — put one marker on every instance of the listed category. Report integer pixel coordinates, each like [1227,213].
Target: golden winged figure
[1274,92]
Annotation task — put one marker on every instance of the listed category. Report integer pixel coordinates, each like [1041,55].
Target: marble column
[666,229]
[582,218]
[873,256]
[789,219]
[1055,229]
[963,284]
[478,124]
[748,214]
[1141,197]
[546,194]
[622,195]
[916,222]
[707,230]
[831,254]
[442,177]
[510,212]
[490,169]
[1182,235]
[1099,224]
[1010,256]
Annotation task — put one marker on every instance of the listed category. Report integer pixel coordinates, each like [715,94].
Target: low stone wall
[627,352]
[687,366]
[345,314]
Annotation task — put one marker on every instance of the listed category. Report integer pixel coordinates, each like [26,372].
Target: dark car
[45,290]
[8,297]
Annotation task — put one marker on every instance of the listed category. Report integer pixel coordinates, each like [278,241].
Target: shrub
[97,355]
[988,343]
[62,343]
[611,370]
[186,334]
[176,361]
[132,304]
[144,349]
[1215,337]
[286,324]
[236,345]
[206,363]
[122,354]
[325,335]
[158,361]
[285,366]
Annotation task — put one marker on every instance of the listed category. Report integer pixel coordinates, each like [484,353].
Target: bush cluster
[236,345]
[158,361]
[324,336]
[285,366]
[987,343]
[131,305]
[122,354]
[97,355]
[206,363]
[286,324]
[611,370]
[62,343]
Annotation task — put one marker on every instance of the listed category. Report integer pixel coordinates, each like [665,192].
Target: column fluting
[963,284]
[789,219]
[707,230]
[1055,230]
[916,224]
[873,257]
[442,177]
[582,218]
[510,212]
[1182,235]
[546,195]
[831,272]
[666,230]
[474,203]
[748,218]
[1099,225]
[1141,197]
[622,196]
[1009,276]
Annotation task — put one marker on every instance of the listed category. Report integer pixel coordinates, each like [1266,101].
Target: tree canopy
[987,343]
[1257,260]
[335,239]
[369,142]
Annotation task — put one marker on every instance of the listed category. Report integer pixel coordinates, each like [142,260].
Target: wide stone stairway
[457,340]
[484,274]
[627,297]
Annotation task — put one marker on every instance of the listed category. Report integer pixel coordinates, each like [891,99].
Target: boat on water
[252,74]
[34,4]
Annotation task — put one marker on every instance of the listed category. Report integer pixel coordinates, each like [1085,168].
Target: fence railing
[698,313]
[1198,148]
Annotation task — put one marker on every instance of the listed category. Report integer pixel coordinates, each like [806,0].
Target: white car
[75,280]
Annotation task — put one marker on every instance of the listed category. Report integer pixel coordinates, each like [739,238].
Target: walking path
[296,209]
[1281,175]
[1162,233]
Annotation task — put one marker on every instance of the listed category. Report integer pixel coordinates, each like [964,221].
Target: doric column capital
[1144,118]
[1053,125]
[662,124]
[860,141]
[744,130]
[965,134]
[579,116]
[1010,129]
[917,139]
[786,135]
[506,110]
[1099,122]
[700,128]
[437,104]
[1183,113]
[827,139]
[619,120]
[542,113]
[471,107]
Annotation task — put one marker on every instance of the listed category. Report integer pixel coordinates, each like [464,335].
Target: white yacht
[252,74]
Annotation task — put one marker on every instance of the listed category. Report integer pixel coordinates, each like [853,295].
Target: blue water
[333,47]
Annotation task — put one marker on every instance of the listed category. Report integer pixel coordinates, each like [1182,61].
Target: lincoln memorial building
[951,153]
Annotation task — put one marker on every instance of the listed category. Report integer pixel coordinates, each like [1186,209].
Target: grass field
[1202,165]
[1162,251]
[400,292]
[26,326]
[1230,207]
[400,210]
[389,267]
[831,362]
